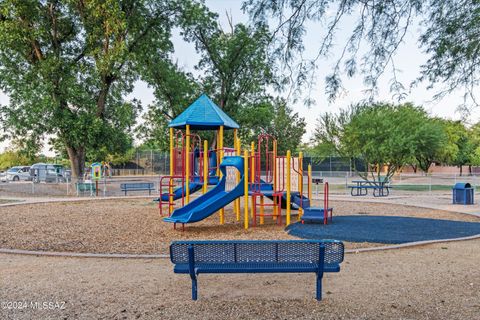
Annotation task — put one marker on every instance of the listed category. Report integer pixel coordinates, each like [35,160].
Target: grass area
[2,201]
[418,187]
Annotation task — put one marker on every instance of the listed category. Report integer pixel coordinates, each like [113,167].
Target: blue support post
[191,267]
[321,262]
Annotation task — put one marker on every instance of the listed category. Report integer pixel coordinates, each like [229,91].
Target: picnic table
[380,187]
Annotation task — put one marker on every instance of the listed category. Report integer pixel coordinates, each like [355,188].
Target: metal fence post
[346,182]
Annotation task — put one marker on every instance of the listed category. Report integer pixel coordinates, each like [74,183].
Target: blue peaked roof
[203,114]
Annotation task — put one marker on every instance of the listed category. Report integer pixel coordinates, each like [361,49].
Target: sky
[408,60]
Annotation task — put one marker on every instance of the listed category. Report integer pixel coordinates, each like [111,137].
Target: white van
[47,172]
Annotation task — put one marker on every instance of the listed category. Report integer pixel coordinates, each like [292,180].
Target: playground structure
[259,175]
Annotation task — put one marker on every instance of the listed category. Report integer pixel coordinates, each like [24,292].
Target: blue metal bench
[256,256]
[137,186]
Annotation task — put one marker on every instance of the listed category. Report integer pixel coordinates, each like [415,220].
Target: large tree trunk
[77,161]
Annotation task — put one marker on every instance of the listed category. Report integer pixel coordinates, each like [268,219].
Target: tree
[236,69]
[475,138]
[431,140]
[449,37]
[460,147]
[381,134]
[286,126]
[67,66]
[174,90]
[236,73]
[11,158]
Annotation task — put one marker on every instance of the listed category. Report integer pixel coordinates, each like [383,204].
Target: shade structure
[203,114]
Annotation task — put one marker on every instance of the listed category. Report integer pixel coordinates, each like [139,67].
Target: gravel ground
[440,281]
[134,226]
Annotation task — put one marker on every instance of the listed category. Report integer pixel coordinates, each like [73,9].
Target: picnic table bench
[256,256]
[137,186]
[380,188]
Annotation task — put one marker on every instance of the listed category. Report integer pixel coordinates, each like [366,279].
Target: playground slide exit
[212,201]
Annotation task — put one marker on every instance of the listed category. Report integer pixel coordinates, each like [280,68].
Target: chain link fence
[144,163]
[149,166]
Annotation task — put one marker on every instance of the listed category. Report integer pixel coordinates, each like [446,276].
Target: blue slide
[178,192]
[212,201]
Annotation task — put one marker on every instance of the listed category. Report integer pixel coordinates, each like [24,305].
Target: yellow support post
[205,166]
[310,182]
[220,158]
[300,181]
[245,186]
[170,181]
[252,178]
[187,166]
[237,178]
[289,159]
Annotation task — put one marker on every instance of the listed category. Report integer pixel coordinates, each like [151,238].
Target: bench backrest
[277,251]
[137,185]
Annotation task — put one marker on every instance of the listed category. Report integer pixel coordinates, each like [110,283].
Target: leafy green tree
[174,90]
[475,138]
[67,66]
[287,127]
[381,134]
[431,141]
[449,37]
[236,72]
[236,69]
[12,158]
[460,147]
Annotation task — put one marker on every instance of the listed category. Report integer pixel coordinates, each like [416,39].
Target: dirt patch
[432,282]
[134,226]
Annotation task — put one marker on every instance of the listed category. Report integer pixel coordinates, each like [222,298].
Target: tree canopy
[448,35]
[67,66]
[382,135]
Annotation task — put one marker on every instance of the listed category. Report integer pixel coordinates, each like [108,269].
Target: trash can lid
[462,186]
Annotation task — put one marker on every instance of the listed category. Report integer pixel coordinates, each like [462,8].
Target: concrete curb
[166,256]
[19,202]
[84,255]
[411,244]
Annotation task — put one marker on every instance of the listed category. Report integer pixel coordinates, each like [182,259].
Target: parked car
[3,176]
[47,172]
[18,173]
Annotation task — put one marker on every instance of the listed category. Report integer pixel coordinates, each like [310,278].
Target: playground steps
[316,215]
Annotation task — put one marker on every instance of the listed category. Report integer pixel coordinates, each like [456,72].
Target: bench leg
[321,264]
[194,288]
[191,268]
[319,286]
